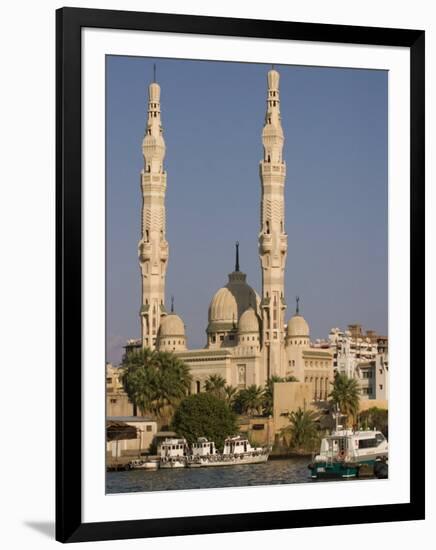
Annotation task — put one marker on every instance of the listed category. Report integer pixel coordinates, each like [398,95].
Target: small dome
[297,326]
[249,321]
[223,307]
[172,325]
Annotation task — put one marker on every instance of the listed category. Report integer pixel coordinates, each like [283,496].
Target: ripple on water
[272,472]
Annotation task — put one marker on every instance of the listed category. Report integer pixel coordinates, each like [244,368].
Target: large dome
[249,322]
[230,302]
[297,326]
[171,325]
[223,307]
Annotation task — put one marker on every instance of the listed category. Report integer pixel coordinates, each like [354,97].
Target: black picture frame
[69,22]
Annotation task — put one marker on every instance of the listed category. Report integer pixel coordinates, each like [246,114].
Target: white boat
[173,453]
[344,452]
[144,464]
[237,450]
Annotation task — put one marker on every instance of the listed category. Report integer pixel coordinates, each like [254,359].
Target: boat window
[380,438]
[367,443]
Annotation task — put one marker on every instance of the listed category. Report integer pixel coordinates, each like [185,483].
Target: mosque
[248,339]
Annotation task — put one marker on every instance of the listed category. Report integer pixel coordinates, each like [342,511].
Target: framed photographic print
[240,274]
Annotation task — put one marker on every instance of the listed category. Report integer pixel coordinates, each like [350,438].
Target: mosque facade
[248,339]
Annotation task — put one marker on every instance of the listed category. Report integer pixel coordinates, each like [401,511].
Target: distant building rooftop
[130,419]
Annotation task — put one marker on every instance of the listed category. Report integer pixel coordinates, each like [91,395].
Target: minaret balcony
[145,252]
[164,250]
[265,243]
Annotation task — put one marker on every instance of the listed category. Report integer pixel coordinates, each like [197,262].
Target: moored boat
[344,452]
[237,450]
[173,453]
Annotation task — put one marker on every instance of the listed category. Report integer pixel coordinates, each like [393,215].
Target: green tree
[302,429]
[268,392]
[345,395]
[215,385]
[249,400]
[374,417]
[155,381]
[204,415]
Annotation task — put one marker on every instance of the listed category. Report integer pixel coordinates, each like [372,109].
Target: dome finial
[172,304]
[154,72]
[297,309]
[237,256]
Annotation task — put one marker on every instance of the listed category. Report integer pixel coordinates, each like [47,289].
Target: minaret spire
[272,237]
[172,304]
[237,256]
[153,246]
[297,308]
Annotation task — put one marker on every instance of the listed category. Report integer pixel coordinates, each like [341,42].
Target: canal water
[273,472]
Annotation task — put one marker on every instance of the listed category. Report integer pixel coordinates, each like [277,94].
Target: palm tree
[250,400]
[230,394]
[215,384]
[174,381]
[139,378]
[155,382]
[345,395]
[302,429]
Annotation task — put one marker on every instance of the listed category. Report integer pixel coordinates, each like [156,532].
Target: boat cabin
[173,447]
[203,447]
[236,445]
[348,443]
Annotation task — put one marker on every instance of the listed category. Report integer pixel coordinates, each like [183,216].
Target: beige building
[117,402]
[247,337]
[363,356]
[146,429]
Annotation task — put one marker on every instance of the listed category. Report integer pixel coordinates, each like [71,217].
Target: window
[149,428]
[221,337]
[113,400]
[213,339]
[379,438]
[368,443]
[231,336]
[381,386]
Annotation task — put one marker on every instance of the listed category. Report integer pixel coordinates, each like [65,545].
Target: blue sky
[335,126]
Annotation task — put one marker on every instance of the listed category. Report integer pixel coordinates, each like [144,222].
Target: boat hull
[332,470]
[171,464]
[339,469]
[223,460]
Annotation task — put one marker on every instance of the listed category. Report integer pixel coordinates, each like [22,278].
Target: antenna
[154,72]
[297,309]
[172,304]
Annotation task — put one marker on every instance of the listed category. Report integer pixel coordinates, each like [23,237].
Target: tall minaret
[273,241]
[153,247]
